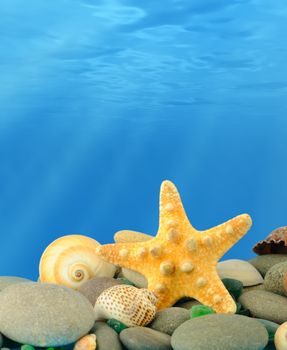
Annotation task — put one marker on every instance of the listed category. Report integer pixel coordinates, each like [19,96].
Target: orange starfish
[180,260]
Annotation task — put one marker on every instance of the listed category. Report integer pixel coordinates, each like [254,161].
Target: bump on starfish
[181,261]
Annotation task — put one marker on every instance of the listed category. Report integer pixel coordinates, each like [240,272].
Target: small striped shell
[72,260]
[88,342]
[128,304]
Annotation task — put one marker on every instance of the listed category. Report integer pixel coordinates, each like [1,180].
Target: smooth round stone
[138,279]
[276,279]
[266,305]
[95,286]
[6,281]
[220,332]
[264,262]
[271,327]
[143,338]
[44,314]
[258,287]
[167,320]
[107,338]
[240,270]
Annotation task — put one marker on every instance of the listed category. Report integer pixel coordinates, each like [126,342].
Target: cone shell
[72,260]
[88,342]
[280,338]
[274,243]
[128,304]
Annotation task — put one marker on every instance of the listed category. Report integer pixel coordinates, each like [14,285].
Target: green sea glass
[200,310]
[116,325]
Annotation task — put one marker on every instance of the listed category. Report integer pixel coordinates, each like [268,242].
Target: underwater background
[100,101]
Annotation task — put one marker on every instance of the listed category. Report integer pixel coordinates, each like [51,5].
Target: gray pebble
[264,262]
[220,332]
[266,305]
[44,314]
[167,320]
[143,338]
[107,338]
[6,281]
[95,286]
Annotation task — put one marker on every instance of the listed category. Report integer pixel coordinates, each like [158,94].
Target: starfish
[180,261]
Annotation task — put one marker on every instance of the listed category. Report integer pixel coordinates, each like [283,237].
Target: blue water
[100,101]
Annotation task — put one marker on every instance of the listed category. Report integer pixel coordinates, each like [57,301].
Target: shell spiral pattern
[128,304]
[72,260]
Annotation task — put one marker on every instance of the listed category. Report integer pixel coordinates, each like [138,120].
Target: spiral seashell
[72,260]
[88,342]
[128,304]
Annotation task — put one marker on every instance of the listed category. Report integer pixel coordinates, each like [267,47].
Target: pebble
[266,305]
[107,338]
[44,314]
[95,286]
[6,281]
[271,327]
[276,279]
[264,262]
[126,236]
[27,347]
[143,338]
[240,270]
[258,287]
[138,279]
[167,320]
[220,332]
[233,286]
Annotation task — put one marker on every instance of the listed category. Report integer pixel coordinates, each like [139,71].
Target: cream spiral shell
[72,260]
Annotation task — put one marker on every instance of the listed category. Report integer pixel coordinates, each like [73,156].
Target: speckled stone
[220,332]
[107,338]
[143,338]
[264,262]
[167,320]
[276,279]
[6,281]
[95,286]
[44,314]
[266,305]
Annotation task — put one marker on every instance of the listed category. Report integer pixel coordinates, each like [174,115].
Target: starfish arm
[224,236]
[214,294]
[172,212]
[130,255]
[164,293]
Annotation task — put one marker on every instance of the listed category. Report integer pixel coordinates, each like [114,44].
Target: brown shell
[274,243]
